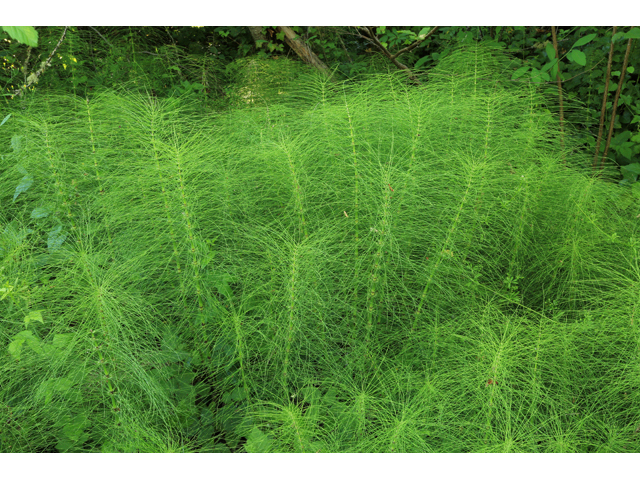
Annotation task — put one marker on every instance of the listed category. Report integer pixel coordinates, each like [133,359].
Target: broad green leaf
[16,143]
[238,394]
[631,168]
[549,65]
[221,448]
[618,36]
[633,33]
[519,72]
[420,62]
[551,53]
[34,316]
[55,239]
[310,394]
[258,442]
[625,150]
[61,340]
[64,445]
[23,186]
[15,347]
[221,282]
[52,386]
[629,69]
[621,137]
[26,35]
[584,40]
[5,120]
[74,428]
[80,80]
[408,33]
[210,256]
[40,212]
[579,57]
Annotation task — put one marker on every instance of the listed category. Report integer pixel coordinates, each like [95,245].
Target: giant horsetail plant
[368,267]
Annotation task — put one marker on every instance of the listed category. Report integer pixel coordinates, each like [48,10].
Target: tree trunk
[256,34]
[303,50]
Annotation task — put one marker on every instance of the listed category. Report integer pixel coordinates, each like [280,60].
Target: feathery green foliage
[378,267]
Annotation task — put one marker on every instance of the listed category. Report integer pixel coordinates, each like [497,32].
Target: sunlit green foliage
[372,267]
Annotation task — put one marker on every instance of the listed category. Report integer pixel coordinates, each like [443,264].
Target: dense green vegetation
[212,62]
[321,266]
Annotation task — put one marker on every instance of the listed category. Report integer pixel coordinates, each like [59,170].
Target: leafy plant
[26,35]
[360,267]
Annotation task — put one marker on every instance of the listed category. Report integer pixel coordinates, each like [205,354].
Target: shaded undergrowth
[378,267]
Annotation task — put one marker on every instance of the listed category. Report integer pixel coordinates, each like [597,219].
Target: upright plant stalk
[604,101]
[615,102]
[297,191]
[290,332]
[445,250]
[100,303]
[555,47]
[191,233]
[65,198]
[378,272]
[355,213]
[99,177]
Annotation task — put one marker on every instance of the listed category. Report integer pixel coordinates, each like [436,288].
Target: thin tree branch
[416,43]
[344,48]
[615,101]
[373,39]
[582,73]
[33,78]
[604,102]
[101,36]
